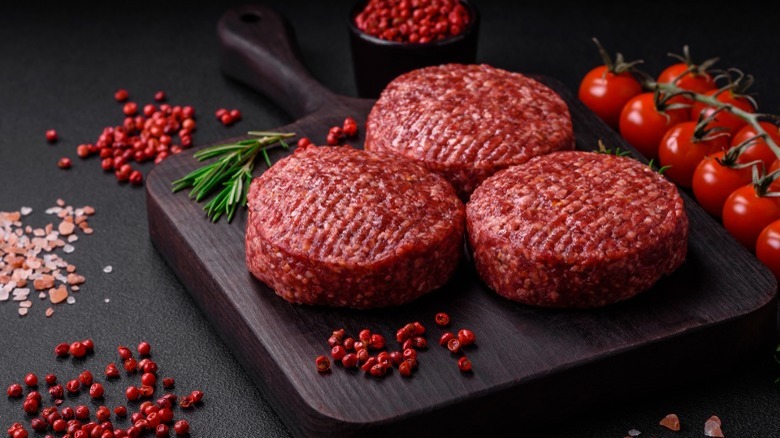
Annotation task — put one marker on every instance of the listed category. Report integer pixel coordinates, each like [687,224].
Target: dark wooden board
[532,366]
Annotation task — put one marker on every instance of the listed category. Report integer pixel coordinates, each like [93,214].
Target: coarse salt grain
[71,299]
[712,427]
[671,422]
[107,300]
[108,269]
[49,312]
[30,255]
[23,311]
[634,432]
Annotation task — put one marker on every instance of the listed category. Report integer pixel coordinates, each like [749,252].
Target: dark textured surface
[60,67]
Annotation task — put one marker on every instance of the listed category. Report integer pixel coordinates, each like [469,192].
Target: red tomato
[768,247]
[759,150]
[724,118]
[682,152]
[714,182]
[746,214]
[698,82]
[605,93]
[643,126]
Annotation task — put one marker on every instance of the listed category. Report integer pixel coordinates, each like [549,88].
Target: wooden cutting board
[531,366]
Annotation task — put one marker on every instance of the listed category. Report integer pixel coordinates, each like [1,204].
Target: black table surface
[59,68]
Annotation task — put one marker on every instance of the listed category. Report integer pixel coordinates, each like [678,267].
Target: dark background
[59,68]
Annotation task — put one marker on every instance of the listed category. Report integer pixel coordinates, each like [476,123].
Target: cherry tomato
[724,118]
[713,182]
[681,75]
[605,93]
[643,126]
[768,247]
[745,214]
[759,150]
[682,151]
[698,82]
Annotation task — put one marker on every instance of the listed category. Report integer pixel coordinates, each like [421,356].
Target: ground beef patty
[343,227]
[468,121]
[576,229]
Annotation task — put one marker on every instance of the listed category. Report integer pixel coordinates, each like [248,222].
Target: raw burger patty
[468,121]
[576,229]
[338,226]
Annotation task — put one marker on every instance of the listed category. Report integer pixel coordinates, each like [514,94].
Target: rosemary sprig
[230,175]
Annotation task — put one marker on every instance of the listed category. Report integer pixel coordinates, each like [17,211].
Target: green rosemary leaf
[210,179]
[267,158]
[228,179]
[215,151]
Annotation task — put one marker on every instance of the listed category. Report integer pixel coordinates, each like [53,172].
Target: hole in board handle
[250,17]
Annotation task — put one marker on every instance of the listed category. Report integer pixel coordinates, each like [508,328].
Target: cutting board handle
[258,48]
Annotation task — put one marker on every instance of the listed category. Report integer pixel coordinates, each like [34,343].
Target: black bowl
[376,62]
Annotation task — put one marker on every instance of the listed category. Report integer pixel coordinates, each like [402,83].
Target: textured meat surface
[576,229]
[344,227]
[468,121]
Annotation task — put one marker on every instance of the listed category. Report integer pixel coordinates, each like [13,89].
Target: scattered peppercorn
[14,390]
[181,427]
[159,96]
[96,390]
[442,319]
[51,136]
[466,337]
[453,345]
[186,401]
[102,413]
[112,371]
[121,95]
[39,425]
[131,365]
[168,382]
[130,108]
[149,367]
[57,391]
[31,406]
[144,349]
[464,364]
[31,379]
[77,349]
[64,163]
[62,349]
[350,127]
[86,378]
[73,386]
[323,363]
[82,412]
[124,352]
[136,178]
[120,411]
[404,369]
[132,393]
